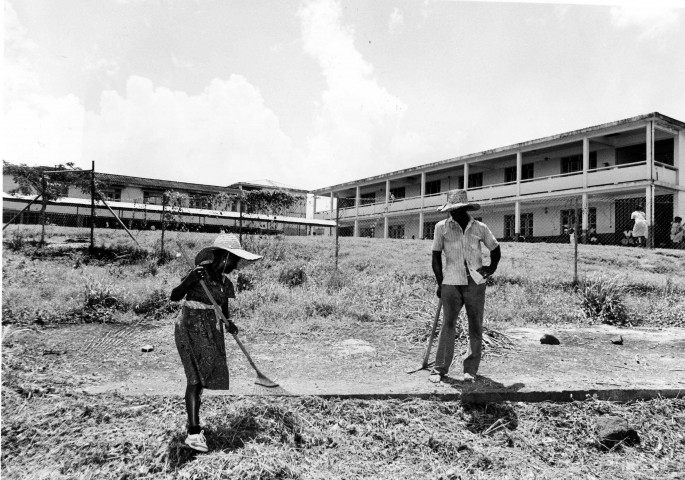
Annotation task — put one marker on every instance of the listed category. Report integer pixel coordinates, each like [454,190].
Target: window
[526,173]
[527,225]
[367,198]
[568,219]
[663,151]
[631,154]
[396,231]
[396,193]
[475,180]
[429,229]
[574,163]
[509,225]
[199,201]
[112,194]
[154,198]
[433,187]
[510,174]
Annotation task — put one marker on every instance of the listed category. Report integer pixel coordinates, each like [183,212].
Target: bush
[100,295]
[292,276]
[156,305]
[244,282]
[602,300]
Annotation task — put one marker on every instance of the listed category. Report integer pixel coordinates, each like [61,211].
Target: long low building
[593,177]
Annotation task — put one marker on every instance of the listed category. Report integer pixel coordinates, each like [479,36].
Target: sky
[316,93]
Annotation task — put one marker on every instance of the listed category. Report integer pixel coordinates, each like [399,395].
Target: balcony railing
[609,175]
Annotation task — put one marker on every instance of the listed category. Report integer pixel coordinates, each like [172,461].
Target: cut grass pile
[52,436]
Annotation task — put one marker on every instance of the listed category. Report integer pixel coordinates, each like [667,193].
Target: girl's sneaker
[197,442]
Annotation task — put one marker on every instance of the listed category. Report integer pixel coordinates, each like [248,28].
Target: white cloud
[43,130]
[37,128]
[652,19]
[396,20]
[357,118]
[218,137]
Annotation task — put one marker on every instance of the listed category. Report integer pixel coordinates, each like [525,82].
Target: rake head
[265,386]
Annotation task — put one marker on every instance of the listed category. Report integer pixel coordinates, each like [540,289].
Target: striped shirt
[460,247]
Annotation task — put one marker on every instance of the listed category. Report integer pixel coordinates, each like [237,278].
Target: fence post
[575,244]
[92,206]
[164,200]
[43,185]
[337,221]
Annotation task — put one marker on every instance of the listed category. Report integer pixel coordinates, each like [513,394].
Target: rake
[263,385]
[425,363]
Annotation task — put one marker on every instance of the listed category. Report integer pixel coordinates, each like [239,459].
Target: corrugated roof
[155,184]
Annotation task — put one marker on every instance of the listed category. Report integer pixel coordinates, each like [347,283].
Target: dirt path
[105,358]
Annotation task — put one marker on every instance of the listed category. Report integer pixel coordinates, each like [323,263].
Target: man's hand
[439,291]
[232,328]
[487,272]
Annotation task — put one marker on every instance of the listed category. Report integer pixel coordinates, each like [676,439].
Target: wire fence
[73,199]
[562,222]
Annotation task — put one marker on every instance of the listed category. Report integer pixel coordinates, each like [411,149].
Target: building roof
[510,148]
[265,183]
[155,184]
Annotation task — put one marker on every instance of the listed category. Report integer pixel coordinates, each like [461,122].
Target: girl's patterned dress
[199,334]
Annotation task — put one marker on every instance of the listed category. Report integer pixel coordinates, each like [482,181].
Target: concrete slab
[650,363]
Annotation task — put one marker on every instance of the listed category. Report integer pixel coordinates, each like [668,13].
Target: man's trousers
[472,297]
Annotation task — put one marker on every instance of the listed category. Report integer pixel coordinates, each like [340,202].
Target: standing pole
[92,207]
[575,245]
[44,204]
[240,220]
[164,200]
[337,220]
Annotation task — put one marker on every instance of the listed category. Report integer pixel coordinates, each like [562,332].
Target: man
[677,232]
[462,282]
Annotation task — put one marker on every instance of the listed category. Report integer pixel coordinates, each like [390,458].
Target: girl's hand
[197,274]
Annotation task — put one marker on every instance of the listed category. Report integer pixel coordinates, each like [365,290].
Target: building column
[519,168]
[649,193]
[314,207]
[586,160]
[420,225]
[679,163]
[517,220]
[357,200]
[332,212]
[387,204]
[423,187]
[466,176]
[585,210]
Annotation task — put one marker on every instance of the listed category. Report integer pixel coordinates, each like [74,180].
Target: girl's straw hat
[228,243]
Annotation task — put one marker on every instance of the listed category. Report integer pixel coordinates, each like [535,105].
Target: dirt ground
[367,363]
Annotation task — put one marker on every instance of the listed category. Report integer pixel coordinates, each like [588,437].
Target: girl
[199,331]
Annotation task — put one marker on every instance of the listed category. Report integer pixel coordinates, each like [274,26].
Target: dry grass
[57,436]
[51,430]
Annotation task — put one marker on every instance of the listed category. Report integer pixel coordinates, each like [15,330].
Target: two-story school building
[137,201]
[595,176]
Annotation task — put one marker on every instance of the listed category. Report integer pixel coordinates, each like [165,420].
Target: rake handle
[221,315]
[432,334]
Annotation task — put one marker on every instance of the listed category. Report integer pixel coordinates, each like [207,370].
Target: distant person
[640,226]
[677,232]
[592,236]
[199,331]
[462,281]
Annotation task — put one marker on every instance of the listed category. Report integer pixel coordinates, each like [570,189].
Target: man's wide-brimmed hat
[228,243]
[458,199]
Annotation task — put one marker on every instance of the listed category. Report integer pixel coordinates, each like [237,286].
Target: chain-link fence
[564,222]
[76,205]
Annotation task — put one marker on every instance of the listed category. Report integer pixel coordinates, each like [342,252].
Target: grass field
[50,432]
